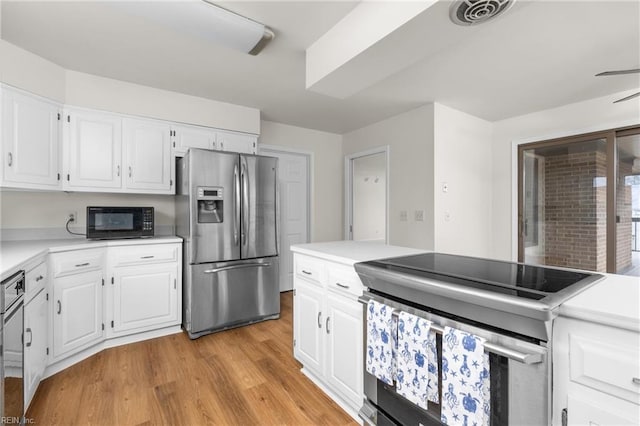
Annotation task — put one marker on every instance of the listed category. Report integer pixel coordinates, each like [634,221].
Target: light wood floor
[244,376]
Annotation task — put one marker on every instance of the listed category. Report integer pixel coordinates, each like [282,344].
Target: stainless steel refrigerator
[227,214]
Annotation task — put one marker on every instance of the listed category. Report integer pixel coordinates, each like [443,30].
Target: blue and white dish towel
[465,379]
[417,369]
[380,351]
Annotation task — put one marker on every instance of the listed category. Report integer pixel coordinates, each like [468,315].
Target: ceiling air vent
[473,12]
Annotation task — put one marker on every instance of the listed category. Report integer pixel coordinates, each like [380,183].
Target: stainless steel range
[511,306]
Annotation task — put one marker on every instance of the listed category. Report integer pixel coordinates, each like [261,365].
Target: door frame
[264,149]
[348,189]
[609,134]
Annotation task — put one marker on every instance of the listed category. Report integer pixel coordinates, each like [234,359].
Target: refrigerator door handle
[245,202]
[244,265]
[236,203]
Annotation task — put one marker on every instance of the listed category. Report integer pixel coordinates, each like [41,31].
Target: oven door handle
[512,354]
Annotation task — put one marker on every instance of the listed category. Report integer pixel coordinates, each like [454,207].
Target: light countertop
[614,301]
[15,254]
[350,252]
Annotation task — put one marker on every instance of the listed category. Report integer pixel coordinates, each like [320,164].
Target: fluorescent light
[205,20]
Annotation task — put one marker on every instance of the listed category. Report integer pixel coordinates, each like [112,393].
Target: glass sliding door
[628,203]
[564,204]
[579,202]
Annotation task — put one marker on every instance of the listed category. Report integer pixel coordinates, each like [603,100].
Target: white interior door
[293,179]
[366,193]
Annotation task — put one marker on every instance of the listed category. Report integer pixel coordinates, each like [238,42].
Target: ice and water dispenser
[210,204]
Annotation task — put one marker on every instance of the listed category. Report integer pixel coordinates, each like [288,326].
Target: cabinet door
[185,137]
[344,338]
[145,297]
[77,312]
[147,155]
[93,150]
[308,324]
[30,141]
[237,142]
[35,344]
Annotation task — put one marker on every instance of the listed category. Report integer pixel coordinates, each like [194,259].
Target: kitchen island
[594,352]
[327,317]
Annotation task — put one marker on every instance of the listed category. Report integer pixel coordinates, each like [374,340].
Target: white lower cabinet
[77,312]
[596,374]
[307,325]
[344,347]
[35,343]
[115,291]
[144,297]
[327,328]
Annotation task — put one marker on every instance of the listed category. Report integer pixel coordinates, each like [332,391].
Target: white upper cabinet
[147,149]
[93,147]
[185,137]
[237,142]
[30,141]
[111,153]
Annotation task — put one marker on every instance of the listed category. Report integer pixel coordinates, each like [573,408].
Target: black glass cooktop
[529,281]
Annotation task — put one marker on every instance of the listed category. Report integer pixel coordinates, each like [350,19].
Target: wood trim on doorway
[611,175]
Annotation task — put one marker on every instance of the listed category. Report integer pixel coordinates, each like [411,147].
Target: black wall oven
[119,222]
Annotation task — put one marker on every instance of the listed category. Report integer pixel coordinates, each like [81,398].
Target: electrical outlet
[419,215]
[72,216]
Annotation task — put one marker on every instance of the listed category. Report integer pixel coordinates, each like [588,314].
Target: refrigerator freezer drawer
[229,294]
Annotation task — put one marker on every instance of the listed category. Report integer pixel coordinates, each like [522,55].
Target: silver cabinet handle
[59,307]
[306,272]
[10,159]
[147,257]
[82,264]
[326,325]
[513,354]
[40,278]
[244,265]
[342,285]
[244,229]
[236,204]
[130,171]
[636,380]
[28,344]
[319,322]
[118,171]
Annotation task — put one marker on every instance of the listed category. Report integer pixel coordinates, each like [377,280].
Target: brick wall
[575,210]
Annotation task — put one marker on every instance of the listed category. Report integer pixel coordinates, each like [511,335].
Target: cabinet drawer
[144,254]
[35,279]
[75,262]
[344,279]
[600,362]
[309,268]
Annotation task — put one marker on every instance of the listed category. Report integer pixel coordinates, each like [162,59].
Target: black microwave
[119,222]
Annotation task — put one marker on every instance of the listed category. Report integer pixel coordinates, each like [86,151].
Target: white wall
[583,117]
[462,152]
[92,91]
[31,209]
[326,204]
[27,71]
[410,139]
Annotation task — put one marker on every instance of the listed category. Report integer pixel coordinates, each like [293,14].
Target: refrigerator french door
[226,212]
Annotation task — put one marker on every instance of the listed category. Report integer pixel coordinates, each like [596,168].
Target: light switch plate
[403,215]
[419,215]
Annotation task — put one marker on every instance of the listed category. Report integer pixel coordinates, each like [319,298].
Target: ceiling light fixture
[205,20]
[237,31]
